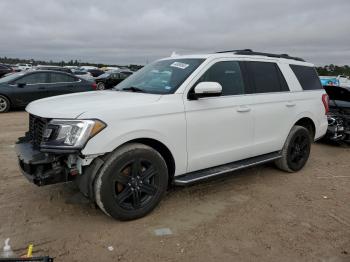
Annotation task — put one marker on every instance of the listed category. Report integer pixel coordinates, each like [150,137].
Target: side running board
[204,174]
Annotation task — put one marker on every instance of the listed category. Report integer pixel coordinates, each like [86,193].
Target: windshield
[160,77]
[104,75]
[10,77]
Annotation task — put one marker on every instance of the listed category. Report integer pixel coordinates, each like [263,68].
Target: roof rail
[234,51]
[251,52]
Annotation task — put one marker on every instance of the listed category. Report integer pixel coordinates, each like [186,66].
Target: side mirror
[206,89]
[21,85]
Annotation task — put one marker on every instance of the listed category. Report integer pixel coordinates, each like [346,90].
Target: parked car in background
[329,81]
[72,67]
[85,67]
[54,68]
[19,89]
[344,81]
[95,72]
[205,116]
[339,114]
[15,68]
[83,74]
[5,69]
[24,67]
[111,78]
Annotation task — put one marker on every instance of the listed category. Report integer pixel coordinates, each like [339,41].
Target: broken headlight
[70,134]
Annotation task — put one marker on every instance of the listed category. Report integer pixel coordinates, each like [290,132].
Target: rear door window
[228,75]
[61,78]
[266,77]
[307,77]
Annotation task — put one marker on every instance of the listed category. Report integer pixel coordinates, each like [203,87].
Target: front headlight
[61,133]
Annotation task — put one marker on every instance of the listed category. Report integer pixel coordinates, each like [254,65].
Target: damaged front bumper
[41,168]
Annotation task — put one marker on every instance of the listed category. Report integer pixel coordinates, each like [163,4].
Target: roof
[247,54]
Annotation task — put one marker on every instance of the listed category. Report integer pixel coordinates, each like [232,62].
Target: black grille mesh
[37,127]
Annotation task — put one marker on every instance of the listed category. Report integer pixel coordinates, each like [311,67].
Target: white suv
[177,121]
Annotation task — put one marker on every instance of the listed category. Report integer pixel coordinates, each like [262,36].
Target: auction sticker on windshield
[179,65]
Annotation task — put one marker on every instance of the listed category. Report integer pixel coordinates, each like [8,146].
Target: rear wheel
[4,104]
[296,150]
[101,86]
[132,182]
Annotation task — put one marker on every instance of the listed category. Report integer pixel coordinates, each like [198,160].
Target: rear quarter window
[266,77]
[307,77]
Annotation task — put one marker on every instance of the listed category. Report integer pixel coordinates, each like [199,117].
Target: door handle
[243,109]
[290,104]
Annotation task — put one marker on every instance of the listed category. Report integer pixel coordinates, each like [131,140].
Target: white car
[176,121]
[24,67]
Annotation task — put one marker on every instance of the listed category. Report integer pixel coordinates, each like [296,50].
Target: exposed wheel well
[163,150]
[308,124]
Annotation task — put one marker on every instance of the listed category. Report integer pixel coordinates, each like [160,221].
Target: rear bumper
[38,167]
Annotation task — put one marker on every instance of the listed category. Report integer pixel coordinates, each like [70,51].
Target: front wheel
[4,104]
[296,150]
[132,182]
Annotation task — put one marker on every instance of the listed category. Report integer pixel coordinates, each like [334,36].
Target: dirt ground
[259,214]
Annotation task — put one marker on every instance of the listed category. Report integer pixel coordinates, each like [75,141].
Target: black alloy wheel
[132,181]
[296,150]
[135,184]
[299,149]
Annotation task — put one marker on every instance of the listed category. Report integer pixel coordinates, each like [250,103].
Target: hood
[73,105]
[338,93]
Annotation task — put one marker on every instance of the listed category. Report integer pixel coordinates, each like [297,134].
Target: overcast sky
[124,32]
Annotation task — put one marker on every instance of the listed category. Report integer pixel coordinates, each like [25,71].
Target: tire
[132,182]
[101,86]
[4,104]
[296,150]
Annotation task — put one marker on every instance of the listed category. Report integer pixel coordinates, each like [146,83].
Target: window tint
[266,77]
[228,74]
[61,78]
[124,75]
[115,76]
[307,77]
[34,78]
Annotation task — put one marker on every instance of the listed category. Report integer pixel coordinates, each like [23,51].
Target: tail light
[94,86]
[325,101]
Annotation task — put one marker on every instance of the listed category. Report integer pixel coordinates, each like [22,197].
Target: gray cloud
[131,31]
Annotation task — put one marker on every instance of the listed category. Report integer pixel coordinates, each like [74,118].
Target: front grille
[37,127]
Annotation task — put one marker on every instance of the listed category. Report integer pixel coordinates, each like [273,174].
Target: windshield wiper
[133,89]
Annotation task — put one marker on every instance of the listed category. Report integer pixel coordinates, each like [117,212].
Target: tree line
[333,70]
[13,61]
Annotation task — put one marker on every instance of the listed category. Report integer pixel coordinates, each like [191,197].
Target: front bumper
[38,167]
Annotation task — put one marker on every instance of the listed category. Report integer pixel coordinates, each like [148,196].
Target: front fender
[101,144]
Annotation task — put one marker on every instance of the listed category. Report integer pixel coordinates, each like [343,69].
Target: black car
[95,72]
[339,114]
[4,69]
[110,79]
[19,89]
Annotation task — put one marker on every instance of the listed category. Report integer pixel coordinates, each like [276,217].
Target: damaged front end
[49,153]
[339,114]
[44,168]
